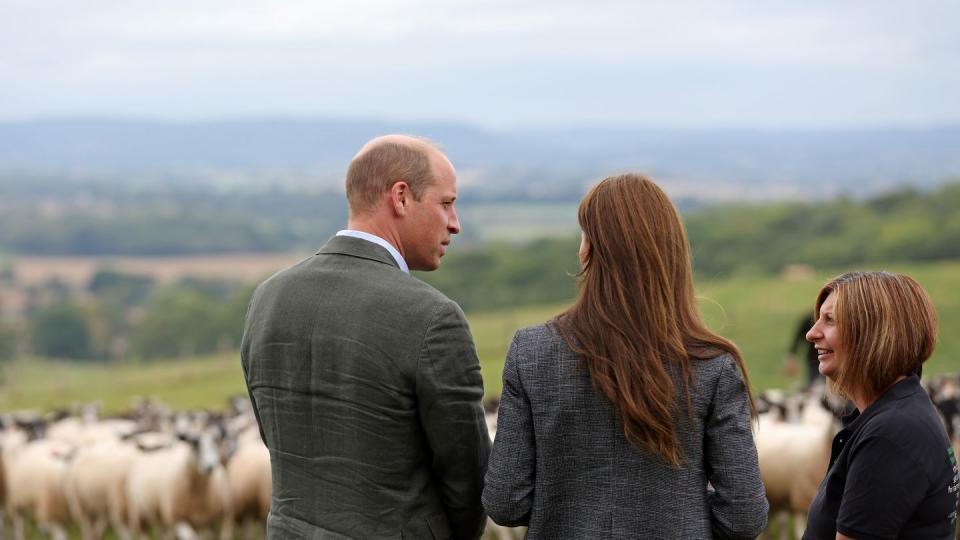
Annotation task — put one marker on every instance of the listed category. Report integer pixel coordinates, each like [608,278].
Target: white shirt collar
[380,242]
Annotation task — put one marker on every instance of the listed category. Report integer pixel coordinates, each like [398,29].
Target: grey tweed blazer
[366,385]
[561,465]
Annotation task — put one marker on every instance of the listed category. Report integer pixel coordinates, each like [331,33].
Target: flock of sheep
[195,472]
[152,470]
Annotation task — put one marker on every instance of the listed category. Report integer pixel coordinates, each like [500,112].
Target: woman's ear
[584,252]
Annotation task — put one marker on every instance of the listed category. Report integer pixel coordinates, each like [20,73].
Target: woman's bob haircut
[887,325]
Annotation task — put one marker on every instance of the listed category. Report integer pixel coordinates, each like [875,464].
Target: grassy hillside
[201,382]
[758,313]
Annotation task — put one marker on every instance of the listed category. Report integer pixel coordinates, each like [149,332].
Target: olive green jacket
[366,385]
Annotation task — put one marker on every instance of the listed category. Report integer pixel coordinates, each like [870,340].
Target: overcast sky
[682,63]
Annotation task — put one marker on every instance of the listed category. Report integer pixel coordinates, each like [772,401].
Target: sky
[537,63]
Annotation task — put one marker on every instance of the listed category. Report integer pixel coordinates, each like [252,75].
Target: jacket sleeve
[509,486]
[738,503]
[245,362]
[449,394]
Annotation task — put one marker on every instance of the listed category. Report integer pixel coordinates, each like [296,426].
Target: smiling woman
[873,329]
[892,472]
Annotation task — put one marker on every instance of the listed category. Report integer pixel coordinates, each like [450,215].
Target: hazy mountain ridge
[530,164]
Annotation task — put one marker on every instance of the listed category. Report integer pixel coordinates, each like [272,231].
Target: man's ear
[399,196]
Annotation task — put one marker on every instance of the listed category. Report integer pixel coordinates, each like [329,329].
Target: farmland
[77,271]
[758,313]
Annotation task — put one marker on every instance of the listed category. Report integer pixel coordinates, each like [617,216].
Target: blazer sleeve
[245,362]
[508,490]
[738,503]
[449,394]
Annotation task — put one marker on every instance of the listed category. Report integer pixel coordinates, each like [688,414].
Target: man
[365,381]
[809,350]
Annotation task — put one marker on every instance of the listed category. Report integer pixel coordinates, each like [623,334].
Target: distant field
[77,271]
[759,314]
[202,382]
[519,222]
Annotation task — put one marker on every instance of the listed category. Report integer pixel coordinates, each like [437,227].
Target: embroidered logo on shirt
[954,487]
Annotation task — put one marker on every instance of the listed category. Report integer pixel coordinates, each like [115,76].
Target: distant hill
[494,165]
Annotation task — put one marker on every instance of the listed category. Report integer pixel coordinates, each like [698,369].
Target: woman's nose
[813,333]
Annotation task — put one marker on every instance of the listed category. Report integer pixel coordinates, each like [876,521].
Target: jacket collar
[357,247]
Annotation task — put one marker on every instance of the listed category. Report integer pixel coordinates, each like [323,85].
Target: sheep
[95,487]
[3,487]
[11,439]
[180,487]
[249,476]
[794,458]
[34,480]
[79,432]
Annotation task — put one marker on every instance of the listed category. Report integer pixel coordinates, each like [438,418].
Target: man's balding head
[386,160]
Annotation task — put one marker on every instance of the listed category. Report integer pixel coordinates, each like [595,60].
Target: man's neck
[372,227]
[380,241]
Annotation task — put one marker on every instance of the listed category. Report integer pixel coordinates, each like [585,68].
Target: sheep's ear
[133,434]
[35,430]
[187,437]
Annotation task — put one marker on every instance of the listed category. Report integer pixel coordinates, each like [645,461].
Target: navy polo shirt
[892,473]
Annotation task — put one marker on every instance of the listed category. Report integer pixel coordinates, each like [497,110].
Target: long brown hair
[887,325]
[635,321]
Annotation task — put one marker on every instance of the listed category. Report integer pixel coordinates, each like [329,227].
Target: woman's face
[825,336]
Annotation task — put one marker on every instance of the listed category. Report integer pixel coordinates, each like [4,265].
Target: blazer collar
[357,247]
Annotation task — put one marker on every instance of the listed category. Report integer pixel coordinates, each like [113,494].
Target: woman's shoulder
[538,341]
[715,364]
[908,419]
[717,377]
[537,333]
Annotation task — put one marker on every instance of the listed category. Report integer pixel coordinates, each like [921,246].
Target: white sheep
[793,459]
[11,439]
[249,475]
[180,488]
[34,484]
[82,431]
[95,487]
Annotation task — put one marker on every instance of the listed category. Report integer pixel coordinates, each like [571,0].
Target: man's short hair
[887,325]
[377,168]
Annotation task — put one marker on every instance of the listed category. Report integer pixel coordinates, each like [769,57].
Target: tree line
[48,216]
[127,316]
[118,317]
[900,226]
[904,225]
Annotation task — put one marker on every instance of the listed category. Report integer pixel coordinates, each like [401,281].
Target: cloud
[489,61]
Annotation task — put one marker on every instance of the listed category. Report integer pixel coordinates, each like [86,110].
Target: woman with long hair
[625,416]
[893,472]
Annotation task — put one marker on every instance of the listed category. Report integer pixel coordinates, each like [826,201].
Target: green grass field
[758,313]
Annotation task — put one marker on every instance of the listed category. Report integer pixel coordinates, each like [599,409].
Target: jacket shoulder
[537,335]
[532,344]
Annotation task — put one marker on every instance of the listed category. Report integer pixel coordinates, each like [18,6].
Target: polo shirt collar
[902,389]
